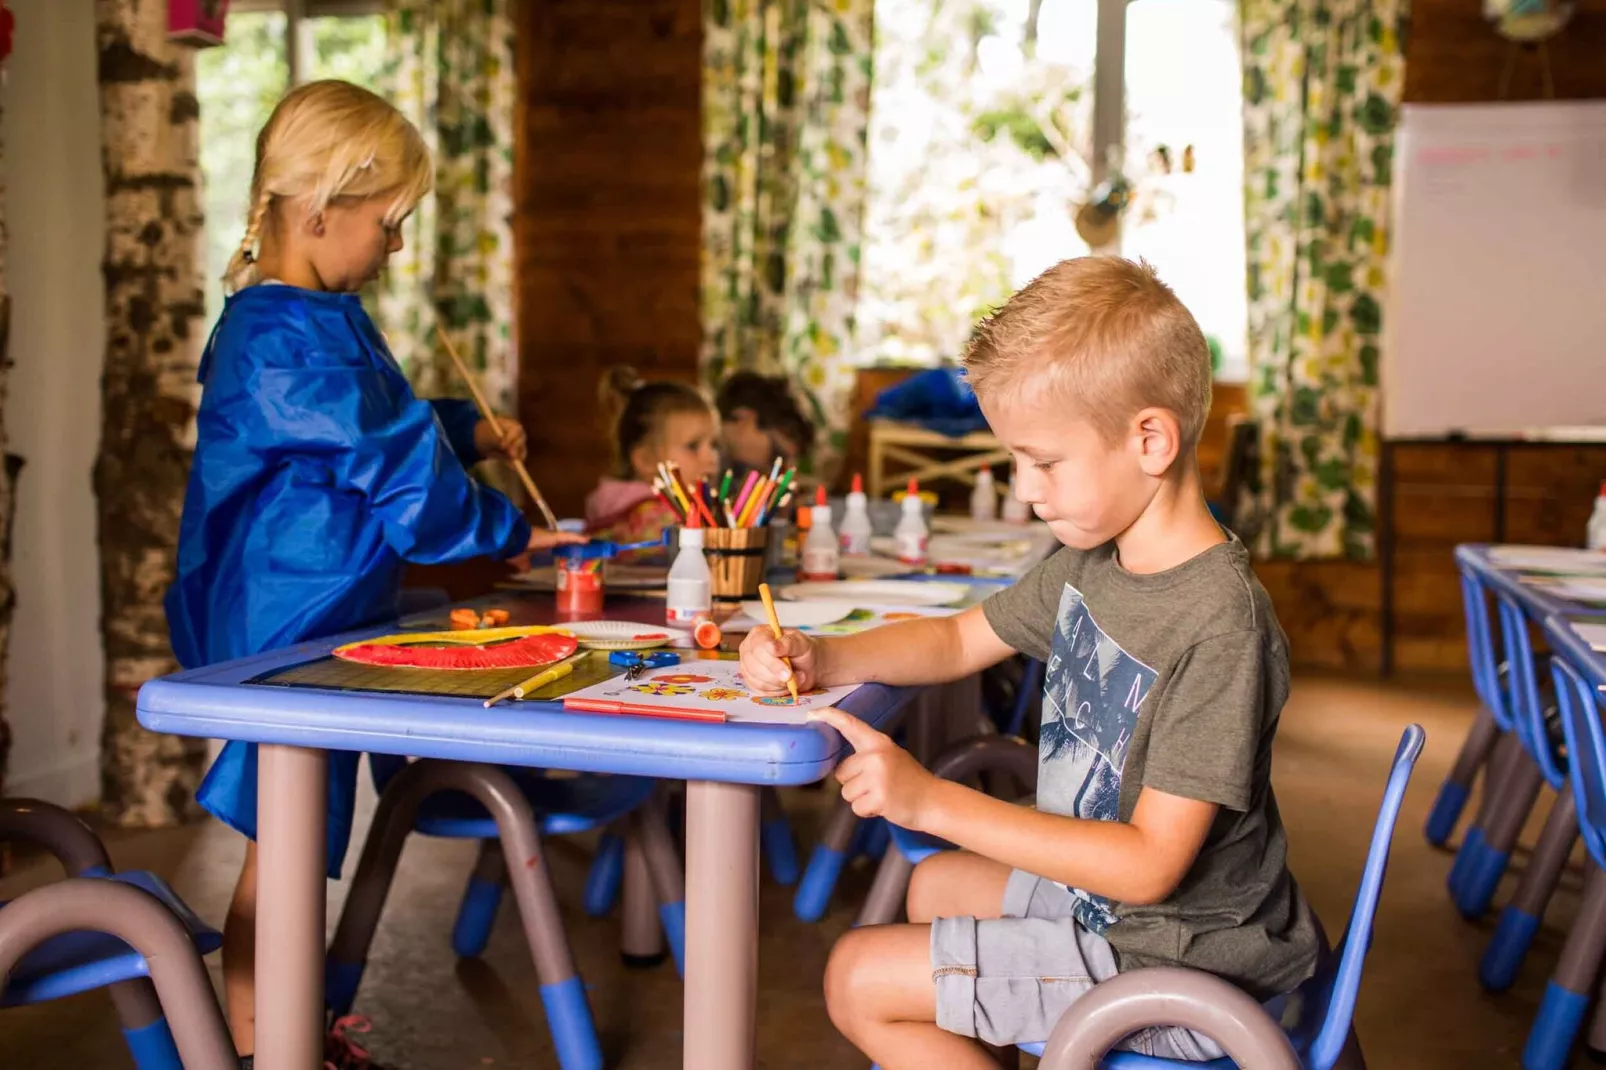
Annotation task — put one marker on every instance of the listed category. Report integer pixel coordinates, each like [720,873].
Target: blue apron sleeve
[387,445]
[459,417]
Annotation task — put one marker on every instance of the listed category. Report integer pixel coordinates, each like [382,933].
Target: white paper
[697,684]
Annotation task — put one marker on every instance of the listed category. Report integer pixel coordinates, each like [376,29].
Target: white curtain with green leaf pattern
[1322,82]
[786,105]
[451,71]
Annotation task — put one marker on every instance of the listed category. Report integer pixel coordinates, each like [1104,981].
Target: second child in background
[651,423]
[760,420]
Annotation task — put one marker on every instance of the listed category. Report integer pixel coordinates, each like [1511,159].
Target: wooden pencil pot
[736,561]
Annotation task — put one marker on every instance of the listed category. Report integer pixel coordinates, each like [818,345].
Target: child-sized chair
[487,803]
[1319,1039]
[66,963]
[98,929]
[1567,997]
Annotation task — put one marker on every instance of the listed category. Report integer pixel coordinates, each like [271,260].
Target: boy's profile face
[1087,489]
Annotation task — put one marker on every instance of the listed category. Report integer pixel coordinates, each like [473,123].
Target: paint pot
[579,588]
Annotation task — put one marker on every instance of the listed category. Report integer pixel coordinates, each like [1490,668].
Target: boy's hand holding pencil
[764,658]
[880,779]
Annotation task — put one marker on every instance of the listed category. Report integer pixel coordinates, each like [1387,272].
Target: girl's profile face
[690,440]
[351,242]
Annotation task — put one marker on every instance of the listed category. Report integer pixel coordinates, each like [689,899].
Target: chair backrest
[1526,708]
[1337,984]
[1586,753]
[1480,648]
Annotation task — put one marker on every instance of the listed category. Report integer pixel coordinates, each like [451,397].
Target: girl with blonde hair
[317,473]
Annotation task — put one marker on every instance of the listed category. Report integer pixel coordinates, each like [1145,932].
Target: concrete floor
[1420,1005]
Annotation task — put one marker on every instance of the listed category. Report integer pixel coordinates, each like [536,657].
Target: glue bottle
[911,533]
[856,527]
[691,587]
[984,499]
[1015,510]
[821,556]
[1595,534]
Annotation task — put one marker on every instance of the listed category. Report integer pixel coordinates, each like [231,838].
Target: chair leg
[198,1033]
[825,864]
[641,944]
[482,898]
[145,1029]
[1500,836]
[668,880]
[607,870]
[1555,1027]
[888,891]
[1453,793]
[780,848]
[1520,919]
[1496,780]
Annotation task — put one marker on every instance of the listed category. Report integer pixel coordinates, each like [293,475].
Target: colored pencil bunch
[755,502]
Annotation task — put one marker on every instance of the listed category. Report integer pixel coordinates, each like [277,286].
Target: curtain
[1322,81]
[786,108]
[155,322]
[450,69]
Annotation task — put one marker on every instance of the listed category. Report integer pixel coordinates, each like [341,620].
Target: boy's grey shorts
[1007,980]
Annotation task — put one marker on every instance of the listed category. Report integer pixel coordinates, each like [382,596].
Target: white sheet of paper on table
[1593,634]
[711,685]
[1549,558]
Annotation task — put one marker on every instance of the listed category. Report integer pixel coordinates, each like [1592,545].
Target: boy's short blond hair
[1104,333]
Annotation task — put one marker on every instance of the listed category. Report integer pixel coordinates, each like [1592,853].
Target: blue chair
[78,961]
[507,811]
[1318,1038]
[1507,769]
[1532,722]
[1567,996]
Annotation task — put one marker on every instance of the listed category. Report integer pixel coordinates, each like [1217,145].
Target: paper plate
[621,635]
[801,614]
[877,592]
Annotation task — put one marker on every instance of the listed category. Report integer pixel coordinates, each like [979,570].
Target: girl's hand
[763,668]
[541,539]
[881,779]
[502,438]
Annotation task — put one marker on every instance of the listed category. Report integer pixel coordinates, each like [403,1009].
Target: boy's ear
[1159,438]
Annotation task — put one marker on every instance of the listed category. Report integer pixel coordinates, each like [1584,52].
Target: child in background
[760,420]
[1155,839]
[317,473]
[652,423]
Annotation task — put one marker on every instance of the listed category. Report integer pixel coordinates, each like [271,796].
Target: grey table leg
[721,925]
[292,820]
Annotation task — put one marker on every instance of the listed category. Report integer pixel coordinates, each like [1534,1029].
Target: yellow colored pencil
[551,674]
[775,626]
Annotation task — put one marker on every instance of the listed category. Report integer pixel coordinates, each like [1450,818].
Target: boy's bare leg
[956,884]
[239,956]
[878,984]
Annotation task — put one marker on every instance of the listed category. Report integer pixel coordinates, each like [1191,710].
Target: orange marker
[775,626]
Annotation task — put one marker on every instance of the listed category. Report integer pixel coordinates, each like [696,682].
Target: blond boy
[1156,837]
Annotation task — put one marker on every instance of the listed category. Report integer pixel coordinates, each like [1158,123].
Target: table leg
[292,818]
[721,925]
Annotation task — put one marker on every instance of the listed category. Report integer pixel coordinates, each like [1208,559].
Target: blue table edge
[1590,663]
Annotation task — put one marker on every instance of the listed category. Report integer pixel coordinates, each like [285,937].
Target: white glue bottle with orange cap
[911,534]
[821,555]
[691,585]
[856,529]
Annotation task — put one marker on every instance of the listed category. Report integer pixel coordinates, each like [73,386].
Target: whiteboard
[1496,321]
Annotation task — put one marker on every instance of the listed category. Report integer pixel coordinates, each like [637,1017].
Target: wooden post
[154,311]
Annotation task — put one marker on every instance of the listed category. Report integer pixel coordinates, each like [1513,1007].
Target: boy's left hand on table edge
[502,439]
[880,779]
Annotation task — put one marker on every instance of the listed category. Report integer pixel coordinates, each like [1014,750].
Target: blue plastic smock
[317,475]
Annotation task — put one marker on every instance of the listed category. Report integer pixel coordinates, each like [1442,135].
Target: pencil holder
[735,561]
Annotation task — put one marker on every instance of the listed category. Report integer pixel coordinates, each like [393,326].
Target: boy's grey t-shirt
[1172,681]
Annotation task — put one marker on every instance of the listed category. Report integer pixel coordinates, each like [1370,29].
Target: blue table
[1536,602]
[725,765]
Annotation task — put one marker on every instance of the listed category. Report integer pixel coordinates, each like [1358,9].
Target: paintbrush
[550,674]
[485,410]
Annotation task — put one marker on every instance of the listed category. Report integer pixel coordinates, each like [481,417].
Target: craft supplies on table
[1561,559]
[878,592]
[707,689]
[735,561]
[634,663]
[625,635]
[775,629]
[462,650]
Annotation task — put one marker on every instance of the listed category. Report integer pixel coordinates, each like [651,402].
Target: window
[239,83]
[989,126]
